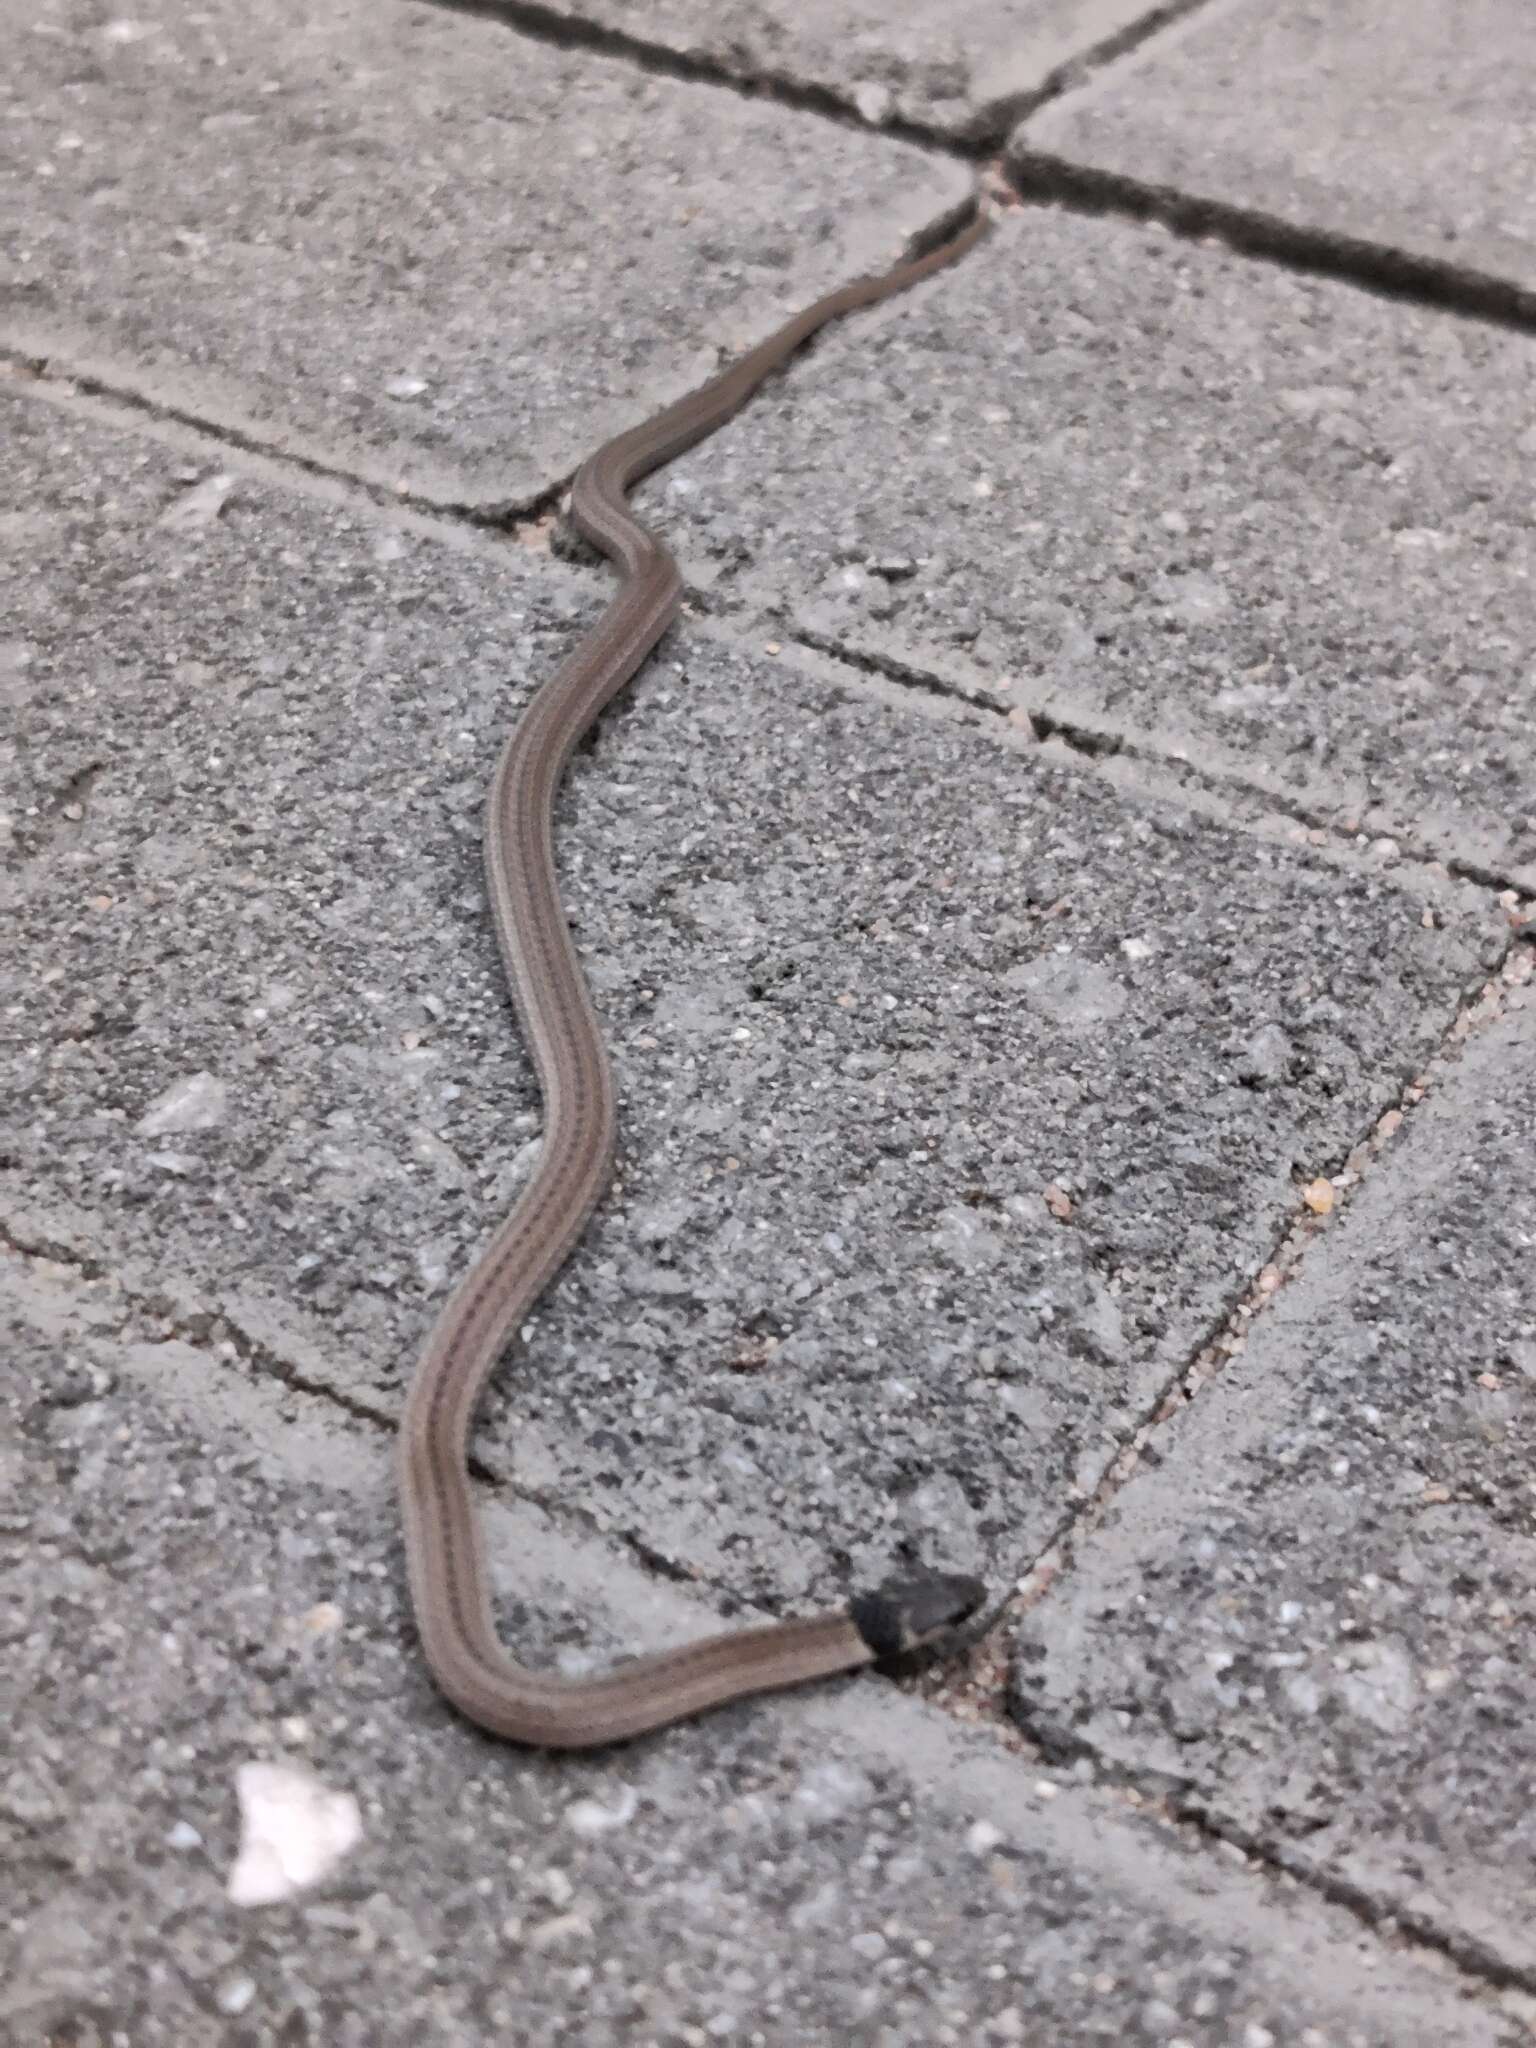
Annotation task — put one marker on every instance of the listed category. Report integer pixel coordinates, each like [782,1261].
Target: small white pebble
[591,1817]
[564,1927]
[183,1836]
[198,1103]
[195,509]
[235,1994]
[873,101]
[981,1837]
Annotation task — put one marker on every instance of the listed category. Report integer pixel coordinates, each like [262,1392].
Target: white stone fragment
[873,101]
[294,1831]
[200,506]
[592,1817]
[235,1994]
[197,1103]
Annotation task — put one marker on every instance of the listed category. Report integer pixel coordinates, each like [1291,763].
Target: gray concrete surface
[1397,129]
[876,983]
[1079,800]
[199,1571]
[1173,496]
[961,72]
[1314,1617]
[407,243]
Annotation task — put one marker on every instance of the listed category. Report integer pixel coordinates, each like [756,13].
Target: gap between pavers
[961,693]
[957,80]
[1386,134]
[1305,1623]
[1143,487]
[974,1685]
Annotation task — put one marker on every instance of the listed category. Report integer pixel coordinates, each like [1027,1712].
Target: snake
[906,1617]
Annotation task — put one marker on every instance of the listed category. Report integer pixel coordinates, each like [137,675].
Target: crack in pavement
[1098,743]
[538,526]
[1228,1331]
[565,31]
[219,1335]
[977,1691]
[1042,178]
[59,376]
[985,130]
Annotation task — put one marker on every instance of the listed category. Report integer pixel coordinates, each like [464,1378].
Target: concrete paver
[477,258]
[1392,128]
[1174,496]
[882,993]
[1314,1618]
[196,1571]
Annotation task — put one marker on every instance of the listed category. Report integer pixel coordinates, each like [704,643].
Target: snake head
[906,1617]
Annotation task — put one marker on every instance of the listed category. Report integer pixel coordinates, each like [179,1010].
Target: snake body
[450,1587]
